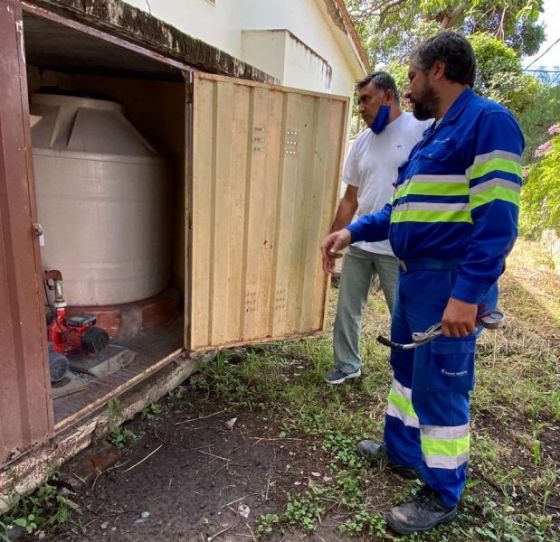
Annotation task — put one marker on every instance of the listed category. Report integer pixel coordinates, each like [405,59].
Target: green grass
[517,400]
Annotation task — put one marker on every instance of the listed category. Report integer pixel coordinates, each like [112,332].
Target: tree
[500,75]
[390,28]
[540,197]
[536,120]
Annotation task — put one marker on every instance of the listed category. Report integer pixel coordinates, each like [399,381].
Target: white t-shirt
[372,165]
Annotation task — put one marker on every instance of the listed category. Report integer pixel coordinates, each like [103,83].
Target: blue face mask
[381,119]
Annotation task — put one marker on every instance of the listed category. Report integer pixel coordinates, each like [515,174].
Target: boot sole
[404,529]
[342,380]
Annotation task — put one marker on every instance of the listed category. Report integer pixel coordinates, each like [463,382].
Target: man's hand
[459,318]
[331,247]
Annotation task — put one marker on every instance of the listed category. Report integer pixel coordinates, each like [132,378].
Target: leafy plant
[540,197]
[305,510]
[42,509]
[266,523]
[149,411]
[121,437]
[365,522]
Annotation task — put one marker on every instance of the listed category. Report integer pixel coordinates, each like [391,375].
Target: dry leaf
[243,510]
[231,423]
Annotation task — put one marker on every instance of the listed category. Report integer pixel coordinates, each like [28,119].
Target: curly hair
[454,50]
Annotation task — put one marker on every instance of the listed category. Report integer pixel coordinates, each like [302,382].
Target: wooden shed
[255,181]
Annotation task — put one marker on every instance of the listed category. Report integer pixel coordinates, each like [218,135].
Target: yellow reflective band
[431,216]
[432,189]
[495,164]
[409,421]
[402,403]
[494,193]
[448,448]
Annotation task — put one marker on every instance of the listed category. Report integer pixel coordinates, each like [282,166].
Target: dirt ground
[195,483]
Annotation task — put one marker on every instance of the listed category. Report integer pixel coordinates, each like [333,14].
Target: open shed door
[266,167]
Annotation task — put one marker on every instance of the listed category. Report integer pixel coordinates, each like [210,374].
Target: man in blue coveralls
[451,223]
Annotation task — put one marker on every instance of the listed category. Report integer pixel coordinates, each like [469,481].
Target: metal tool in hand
[488,320]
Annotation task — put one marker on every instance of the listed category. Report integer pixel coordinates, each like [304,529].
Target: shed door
[266,167]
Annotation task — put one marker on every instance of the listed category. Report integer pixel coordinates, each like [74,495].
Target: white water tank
[103,201]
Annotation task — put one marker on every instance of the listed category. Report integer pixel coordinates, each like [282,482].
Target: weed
[304,511]
[42,509]
[266,522]
[365,522]
[118,435]
[536,449]
[121,437]
[115,413]
[177,393]
[349,492]
[4,530]
[149,411]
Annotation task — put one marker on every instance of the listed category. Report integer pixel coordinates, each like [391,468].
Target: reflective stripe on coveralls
[440,189]
[495,176]
[445,447]
[400,405]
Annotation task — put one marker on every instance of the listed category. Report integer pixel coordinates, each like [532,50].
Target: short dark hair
[452,49]
[382,81]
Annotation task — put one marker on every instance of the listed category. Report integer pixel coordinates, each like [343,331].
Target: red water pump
[68,334]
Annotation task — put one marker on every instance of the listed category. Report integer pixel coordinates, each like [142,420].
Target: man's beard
[426,106]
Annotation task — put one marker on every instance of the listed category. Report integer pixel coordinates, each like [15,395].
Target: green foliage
[266,523]
[536,120]
[121,437]
[365,522]
[390,28]
[499,74]
[540,197]
[118,435]
[44,508]
[305,510]
[149,411]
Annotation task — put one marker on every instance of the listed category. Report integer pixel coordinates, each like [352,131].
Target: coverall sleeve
[495,179]
[374,227]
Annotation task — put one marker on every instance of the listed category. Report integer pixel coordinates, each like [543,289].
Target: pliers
[488,320]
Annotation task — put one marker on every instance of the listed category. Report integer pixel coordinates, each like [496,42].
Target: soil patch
[194,484]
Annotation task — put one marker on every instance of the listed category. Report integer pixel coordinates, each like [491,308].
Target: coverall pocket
[439,150]
[452,364]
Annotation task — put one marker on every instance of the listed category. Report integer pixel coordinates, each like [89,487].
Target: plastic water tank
[103,201]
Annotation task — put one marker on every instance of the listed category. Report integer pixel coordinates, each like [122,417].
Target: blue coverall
[451,223]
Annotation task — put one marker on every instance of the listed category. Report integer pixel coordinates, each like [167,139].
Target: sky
[550,18]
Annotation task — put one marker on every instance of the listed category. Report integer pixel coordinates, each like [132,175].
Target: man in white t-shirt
[369,172]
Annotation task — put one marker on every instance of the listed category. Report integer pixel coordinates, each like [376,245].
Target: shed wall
[25,406]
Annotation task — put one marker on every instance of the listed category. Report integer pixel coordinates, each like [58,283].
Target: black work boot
[423,513]
[376,453]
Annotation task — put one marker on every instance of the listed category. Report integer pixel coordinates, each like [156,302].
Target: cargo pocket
[452,364]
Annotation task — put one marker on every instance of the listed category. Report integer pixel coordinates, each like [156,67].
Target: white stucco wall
[265,50]
[222,25]
[281,54]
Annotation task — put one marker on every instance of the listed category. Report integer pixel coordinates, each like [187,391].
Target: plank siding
[266,166]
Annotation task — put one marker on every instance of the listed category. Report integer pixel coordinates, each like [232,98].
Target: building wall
[265,48]
[222,23]
[25,405]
